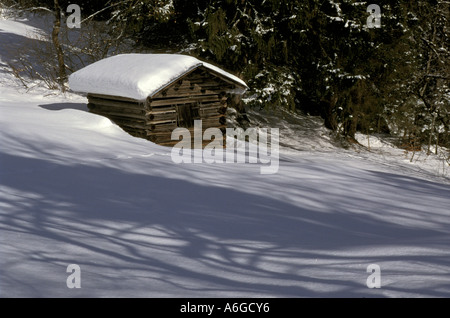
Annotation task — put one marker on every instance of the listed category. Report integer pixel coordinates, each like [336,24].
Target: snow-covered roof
[138,76]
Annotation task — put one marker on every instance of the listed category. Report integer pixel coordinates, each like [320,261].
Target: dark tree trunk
[59,52]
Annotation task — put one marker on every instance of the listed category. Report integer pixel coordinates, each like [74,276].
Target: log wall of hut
[197,95]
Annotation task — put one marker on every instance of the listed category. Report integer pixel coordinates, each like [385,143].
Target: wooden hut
[149,95]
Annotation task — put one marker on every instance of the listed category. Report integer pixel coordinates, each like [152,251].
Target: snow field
[76,189]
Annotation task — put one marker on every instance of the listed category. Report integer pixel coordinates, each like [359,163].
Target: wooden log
[210,108]
[198,84]
[162,122]
[210,104]
[117,114]
[199,80]
[172,143]
[208,74]
[135,132]
[114,98]
[99,104]
[169,127]
[221,77]
[159,133]
[159,138]
[166,133]
[116,109]
[154,103]
[115,103]
[221,119]
[128,124]
[210,111]
[138,123]
[171,93]
[162,110]
[214,122]
[158,116]
[191,130]
[169,143]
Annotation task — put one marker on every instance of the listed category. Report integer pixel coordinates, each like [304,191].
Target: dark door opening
[186,114]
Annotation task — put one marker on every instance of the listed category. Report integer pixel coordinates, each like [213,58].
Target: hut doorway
[186,114]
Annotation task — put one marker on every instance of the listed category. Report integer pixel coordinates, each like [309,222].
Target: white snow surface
[137,76]
[76,189]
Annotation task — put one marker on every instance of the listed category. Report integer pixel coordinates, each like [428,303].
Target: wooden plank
[130,121]
[224,78]
[160,137]
[115,103]
[163,127]
[203,73]
[129,124]
[185,100]
[117,109]
[117,114]
[158,122]
[207,105]
[169,143]
[114,98]
[160,133]
[188,99]
[161,110]
[212,116]
[172,143]
[198,84]
[135,132]
[165,137]
[209,111]
[191,131]
[162,116]
[222,109]
[189,93]
[214,122]
[208,84]
[117,118]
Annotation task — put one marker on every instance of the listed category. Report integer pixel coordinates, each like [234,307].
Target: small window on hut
[186,114]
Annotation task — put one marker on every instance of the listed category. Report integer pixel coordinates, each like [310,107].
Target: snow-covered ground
[76,189]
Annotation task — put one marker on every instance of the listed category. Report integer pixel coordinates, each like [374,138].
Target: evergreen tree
[416,92]
[317,56]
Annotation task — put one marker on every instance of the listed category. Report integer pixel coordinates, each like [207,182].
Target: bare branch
[100,11]
[438,76]
[38,9]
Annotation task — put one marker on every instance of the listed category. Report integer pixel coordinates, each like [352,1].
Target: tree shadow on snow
[18,46]
[139,235]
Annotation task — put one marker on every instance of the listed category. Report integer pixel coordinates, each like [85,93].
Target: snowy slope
[76,189]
